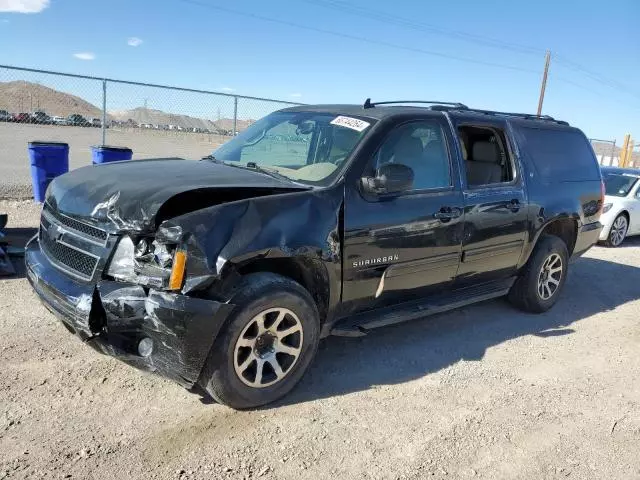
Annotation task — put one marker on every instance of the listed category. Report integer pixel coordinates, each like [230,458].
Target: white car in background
[57,120]
[621,211]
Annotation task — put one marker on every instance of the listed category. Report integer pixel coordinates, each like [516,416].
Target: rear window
[560,155]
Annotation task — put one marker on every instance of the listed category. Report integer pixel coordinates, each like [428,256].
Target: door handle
[514,205]
[447,213]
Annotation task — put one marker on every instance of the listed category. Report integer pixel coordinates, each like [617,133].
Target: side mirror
[390,178]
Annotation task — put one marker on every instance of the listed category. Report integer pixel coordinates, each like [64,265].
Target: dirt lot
[15,180]
[484,392]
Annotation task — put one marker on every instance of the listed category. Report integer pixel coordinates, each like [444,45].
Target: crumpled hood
[129,194]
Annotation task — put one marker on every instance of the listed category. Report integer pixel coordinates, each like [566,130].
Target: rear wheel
[618,231]
[267,345]
[538,287]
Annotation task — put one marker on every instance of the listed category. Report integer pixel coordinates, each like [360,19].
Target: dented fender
[302,225]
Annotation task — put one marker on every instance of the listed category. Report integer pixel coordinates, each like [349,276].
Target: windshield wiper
[272,172]
[213,159]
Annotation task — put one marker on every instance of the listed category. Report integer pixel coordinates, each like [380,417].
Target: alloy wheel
[268,347]
[618,230]
[550,276]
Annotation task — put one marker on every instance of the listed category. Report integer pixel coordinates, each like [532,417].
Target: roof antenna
[367,104]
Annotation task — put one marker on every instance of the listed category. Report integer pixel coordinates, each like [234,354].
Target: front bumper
[113,317]
[607,220]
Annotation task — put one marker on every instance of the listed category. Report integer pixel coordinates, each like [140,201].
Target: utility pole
[543,87]
[628,158]
[623,150]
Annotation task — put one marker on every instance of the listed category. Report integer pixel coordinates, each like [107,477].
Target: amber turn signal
[177,272]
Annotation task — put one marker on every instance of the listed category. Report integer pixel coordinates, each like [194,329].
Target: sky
[487,54]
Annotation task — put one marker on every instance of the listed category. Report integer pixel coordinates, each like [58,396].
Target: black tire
[524,293]
[613,240]
[259,292]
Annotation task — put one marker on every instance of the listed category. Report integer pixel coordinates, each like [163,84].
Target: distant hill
[20,96]
[158,117]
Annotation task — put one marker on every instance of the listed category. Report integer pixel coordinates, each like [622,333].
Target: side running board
[358,325]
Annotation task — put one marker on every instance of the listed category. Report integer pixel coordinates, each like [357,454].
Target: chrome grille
[80,262]
[81,227]
[71,245]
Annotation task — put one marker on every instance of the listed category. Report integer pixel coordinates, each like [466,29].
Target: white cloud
[85,55]
[23,6]
[295,95]
[134,41]
[227,89]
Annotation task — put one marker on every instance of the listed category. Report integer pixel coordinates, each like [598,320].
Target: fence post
[104,111]
[613,152]
[235,116]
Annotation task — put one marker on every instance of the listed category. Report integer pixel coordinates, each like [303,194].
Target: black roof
[381,110]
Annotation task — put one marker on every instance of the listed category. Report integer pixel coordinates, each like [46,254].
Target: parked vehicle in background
[41,118]
[621,213]
[21,118]
[96,122]
[57,120]
[315,220]
[78,121]
[5,116]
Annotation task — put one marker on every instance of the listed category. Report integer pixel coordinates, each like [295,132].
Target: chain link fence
[152,120]
[606,151]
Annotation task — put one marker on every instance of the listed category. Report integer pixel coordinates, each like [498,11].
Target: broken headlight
[148,262]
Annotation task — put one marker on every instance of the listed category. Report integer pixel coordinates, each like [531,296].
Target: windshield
[619,185]
[305,147]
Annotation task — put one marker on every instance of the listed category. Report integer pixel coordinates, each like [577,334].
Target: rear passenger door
[495,206]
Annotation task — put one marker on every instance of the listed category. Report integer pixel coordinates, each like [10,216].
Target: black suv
[316,220]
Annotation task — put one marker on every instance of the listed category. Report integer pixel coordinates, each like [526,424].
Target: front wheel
[618,231]
[538,287]
[267,345]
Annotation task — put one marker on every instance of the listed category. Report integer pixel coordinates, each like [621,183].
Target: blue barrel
[48,160]
[105,154]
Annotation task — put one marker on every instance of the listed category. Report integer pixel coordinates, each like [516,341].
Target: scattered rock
[264,470]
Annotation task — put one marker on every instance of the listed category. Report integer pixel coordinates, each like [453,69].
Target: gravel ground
[483,392]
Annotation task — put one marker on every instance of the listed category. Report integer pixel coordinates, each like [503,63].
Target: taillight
[602,192]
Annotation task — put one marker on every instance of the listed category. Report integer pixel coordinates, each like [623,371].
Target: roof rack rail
[446,106]
[369,104]
[526,116]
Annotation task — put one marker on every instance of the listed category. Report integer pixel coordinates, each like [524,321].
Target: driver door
[405,246]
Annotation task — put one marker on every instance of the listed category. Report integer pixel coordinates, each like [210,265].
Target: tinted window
[420,146]
[560,155]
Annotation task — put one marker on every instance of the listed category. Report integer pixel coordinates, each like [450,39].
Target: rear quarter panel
[577,197]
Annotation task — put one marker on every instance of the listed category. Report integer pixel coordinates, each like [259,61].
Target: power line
[388,18]
[596,76]
[357,37]
[424,27]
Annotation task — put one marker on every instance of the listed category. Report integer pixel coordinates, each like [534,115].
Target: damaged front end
[121,294]
[145,272]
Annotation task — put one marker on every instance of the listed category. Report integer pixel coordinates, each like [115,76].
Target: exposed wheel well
[308,272]
[564,228]
[626,214]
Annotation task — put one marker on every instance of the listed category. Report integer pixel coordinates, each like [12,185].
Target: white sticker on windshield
[349,122]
